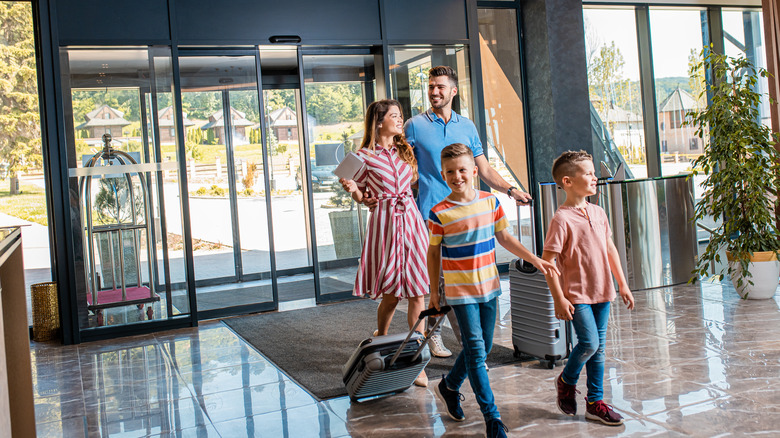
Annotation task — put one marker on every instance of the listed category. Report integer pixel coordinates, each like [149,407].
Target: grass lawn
[29,205]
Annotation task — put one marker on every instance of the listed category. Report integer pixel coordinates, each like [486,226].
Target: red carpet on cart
[115,295]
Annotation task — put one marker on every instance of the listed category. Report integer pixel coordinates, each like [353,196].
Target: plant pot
[765,270]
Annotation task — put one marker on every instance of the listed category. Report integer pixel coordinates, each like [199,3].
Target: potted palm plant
[741,167]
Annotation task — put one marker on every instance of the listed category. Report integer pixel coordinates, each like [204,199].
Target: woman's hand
[349,185]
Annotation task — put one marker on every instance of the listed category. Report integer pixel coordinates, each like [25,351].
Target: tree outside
[20,135]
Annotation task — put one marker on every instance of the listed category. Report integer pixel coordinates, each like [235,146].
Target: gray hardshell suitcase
[535,329]
[389,364]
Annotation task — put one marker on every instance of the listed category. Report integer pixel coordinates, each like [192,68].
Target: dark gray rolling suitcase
[535,329]
[389,364]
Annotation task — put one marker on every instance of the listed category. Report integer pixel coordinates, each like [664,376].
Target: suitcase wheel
[551,361]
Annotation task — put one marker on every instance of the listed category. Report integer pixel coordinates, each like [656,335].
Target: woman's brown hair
[375,113]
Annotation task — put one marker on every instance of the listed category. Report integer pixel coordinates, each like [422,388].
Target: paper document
[349,166]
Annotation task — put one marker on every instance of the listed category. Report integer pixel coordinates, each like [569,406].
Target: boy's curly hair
[567,164]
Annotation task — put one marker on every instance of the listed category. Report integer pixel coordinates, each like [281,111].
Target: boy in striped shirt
[463,229]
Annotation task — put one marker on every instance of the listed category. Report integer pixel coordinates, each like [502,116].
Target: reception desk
[652,226]
[17,411]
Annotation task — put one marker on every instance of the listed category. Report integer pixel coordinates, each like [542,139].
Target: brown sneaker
[600,411]
[567,402]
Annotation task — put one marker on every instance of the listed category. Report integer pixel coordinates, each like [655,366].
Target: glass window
[614,88]
[677,42]
[502,84]
[124,186]
[22,185]
[409,67]
[743,32]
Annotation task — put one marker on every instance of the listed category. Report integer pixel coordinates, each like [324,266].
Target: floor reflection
[689,361]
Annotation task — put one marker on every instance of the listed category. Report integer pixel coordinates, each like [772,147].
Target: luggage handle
[425,313]
[520,264]
[434,311]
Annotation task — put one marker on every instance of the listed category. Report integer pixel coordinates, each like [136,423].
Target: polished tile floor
[688,361]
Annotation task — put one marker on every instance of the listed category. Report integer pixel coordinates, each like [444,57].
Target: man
[429,133]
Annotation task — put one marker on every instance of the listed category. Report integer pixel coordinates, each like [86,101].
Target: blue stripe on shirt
[471,251]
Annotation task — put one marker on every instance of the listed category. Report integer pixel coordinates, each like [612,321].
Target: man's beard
[442,103]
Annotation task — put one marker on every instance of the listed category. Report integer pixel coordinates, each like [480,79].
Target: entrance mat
[311,345]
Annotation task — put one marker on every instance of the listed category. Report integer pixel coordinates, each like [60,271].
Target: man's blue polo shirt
[428,134]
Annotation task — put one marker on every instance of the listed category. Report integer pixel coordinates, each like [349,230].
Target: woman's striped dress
[394,253]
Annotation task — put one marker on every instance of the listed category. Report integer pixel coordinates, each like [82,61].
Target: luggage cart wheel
[550,364]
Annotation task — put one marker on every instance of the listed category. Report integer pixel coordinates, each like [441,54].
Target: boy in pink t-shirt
[579,238]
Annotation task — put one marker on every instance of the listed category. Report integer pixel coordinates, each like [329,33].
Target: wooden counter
[17,411]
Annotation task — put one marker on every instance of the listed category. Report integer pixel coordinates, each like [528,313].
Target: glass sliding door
[123,184]
[288,182]
[337,89]
[226,176]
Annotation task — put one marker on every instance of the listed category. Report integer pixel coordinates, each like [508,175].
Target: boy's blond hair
[567,164]
[456,150]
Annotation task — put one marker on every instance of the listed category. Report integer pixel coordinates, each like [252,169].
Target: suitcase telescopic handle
[523,265]
[424,314]
[434,311]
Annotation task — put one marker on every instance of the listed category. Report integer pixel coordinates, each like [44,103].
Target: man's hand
[521,197]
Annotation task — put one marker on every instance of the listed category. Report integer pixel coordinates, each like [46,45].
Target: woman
[392,264]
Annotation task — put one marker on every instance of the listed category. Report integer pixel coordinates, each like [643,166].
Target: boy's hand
[628,297]
[545,267]
[564,309]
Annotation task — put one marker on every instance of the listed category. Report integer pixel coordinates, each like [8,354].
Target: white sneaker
[437,347]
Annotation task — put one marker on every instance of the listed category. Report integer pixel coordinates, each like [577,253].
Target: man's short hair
[456,150]
[567,164]
[444,70]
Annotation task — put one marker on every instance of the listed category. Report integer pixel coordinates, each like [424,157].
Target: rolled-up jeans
[590,325]
[477,323]
[450,316]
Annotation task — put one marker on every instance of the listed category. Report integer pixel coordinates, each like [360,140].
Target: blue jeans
[477,322]
[590,324]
